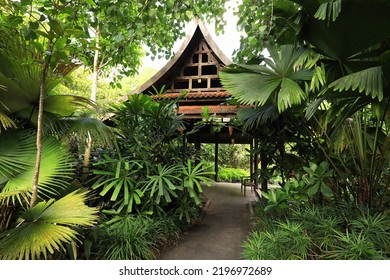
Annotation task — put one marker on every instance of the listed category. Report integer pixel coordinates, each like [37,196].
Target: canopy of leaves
[124,26]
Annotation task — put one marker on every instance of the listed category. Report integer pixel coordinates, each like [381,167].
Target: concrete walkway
[221,232]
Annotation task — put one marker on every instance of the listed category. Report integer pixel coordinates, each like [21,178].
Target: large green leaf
[66,105]
[85,126]
[20,77]
[17,161]
[117,179]
[163,184]
[16,151]
[45,228]
[276,82]
[255,116]
[5,121]
[250,88]
[360,25]
[290,94]
[329,10]
[369,80]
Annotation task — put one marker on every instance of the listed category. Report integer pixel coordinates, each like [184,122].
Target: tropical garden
[79,180]
[320,109]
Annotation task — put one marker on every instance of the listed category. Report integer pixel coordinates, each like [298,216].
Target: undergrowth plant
[332,233]
[286,241]
[132,237]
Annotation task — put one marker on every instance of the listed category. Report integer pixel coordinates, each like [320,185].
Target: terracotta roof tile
[195,95]
[197,110]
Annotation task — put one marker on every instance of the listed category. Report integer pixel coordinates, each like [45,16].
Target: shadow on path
[221,232]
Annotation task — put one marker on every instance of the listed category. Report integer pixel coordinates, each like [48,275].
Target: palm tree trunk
[87,157]
[34,194]
[95,75]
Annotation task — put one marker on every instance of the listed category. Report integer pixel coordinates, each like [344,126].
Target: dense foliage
[320,109]
[43,168]
[318,233]
[318,98]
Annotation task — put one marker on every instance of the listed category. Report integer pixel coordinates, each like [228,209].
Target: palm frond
[290,94]
[329,10]
[369,80]
[277,81]
[66,105]
[16,150]
[249,88]
[5,121]
[12,197]
[46,227]
[313,107]
[18,159]
[20,76]
[254,117]
[261,69]
[84,126]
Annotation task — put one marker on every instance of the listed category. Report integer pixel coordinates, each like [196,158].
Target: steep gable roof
[194,68]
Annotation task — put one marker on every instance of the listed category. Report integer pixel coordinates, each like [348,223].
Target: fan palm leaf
[368,80]
[329,10]
[84,125]
[5,121]
[16,148]
[45,228]
[257,116]
[277,82]
[17,158]
[355,59]
[20,77]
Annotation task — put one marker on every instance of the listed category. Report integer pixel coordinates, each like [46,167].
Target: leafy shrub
[320,224]
[186,209]
[303,189]
[287,242]
[375,226]
[353,246]
[334,233]
[135,238]
[232,174]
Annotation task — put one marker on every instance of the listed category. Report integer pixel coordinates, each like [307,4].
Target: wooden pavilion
[195,71]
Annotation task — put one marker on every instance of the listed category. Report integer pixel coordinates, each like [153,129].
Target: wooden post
[197,148]
[251,159]
[216,157]
[256,164]
[264,166]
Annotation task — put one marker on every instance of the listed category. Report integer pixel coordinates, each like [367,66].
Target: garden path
[222,230]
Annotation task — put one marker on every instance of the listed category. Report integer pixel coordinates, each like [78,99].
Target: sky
[227,41]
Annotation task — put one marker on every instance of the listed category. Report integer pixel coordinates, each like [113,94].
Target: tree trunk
[95,74]
[34,194]
[87,157]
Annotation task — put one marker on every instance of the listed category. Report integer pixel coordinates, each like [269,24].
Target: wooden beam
[216,157]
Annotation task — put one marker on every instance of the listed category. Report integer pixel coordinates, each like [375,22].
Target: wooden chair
[247,181]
